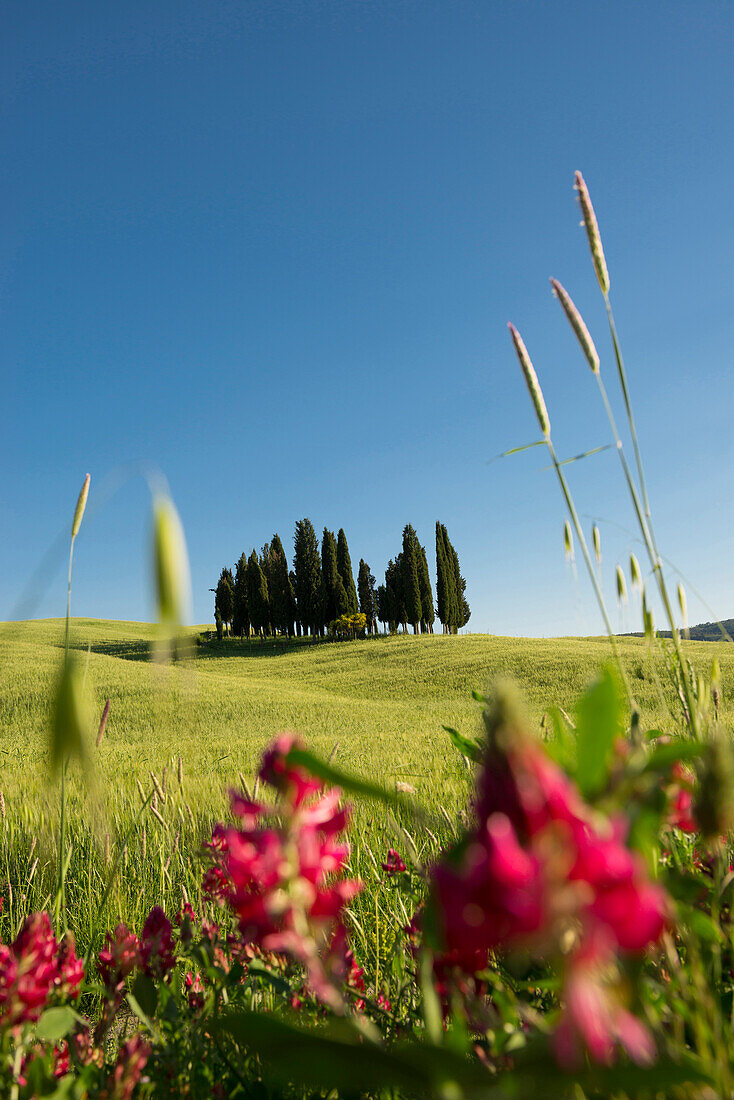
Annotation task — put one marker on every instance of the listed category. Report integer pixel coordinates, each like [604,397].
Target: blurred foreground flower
[545,875]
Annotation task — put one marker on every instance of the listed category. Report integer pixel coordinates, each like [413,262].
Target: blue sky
[271,249]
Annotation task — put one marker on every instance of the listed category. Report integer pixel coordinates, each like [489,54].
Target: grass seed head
[2,805]
[568,541]
[80,506]
[621,587]
[171,565]
[577,324]
[72,717]
[531,380]
[635,573]
[592,232]
[683,605]
[596,539]
[179,771]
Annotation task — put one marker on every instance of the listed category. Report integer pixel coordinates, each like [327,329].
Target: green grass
[378,704]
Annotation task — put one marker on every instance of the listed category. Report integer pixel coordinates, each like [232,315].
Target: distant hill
[704,632]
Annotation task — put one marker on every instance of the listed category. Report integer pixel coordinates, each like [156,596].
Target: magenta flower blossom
[281,874]
[594,1018]
[157,949]
[395,864]
[34,968]
[541,873]
[119,956]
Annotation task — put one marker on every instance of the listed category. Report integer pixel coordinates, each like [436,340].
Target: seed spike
[592,232]
[635,573]
[596,539]
[577,324]
[568,541]
[621,587]
[80,506]
[531,380]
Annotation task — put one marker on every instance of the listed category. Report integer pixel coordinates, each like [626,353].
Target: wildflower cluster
[543,874]
[279,871]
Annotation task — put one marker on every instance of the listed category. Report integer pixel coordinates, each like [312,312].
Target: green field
[378,705]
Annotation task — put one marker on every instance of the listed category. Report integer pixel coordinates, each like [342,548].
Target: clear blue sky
[272,248]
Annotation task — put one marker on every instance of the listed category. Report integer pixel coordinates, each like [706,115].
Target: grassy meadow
[378,705]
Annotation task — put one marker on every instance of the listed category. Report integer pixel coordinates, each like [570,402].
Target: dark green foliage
[224,597]
[257,595]
[453,609]
[428,614]
[410,582]
[367,601]
[382,605]
[441,579]
[394,603]
[280,590]
[307,573]
[334,596]
[241,615]
[344,565]
[218,624]
[294,604]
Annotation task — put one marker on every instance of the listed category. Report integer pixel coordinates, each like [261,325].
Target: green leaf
[352,783]
[599,723]
[256,969]
[467,748]
[141,1014]
[703,926]
[55,1023]
[663,757]
[146,994]
[324,1060]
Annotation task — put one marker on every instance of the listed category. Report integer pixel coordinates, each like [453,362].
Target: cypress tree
[411,584]
[463,611]
[266,564]
[279,587]
[428,615]
[307,571]
[441,587]
[344,565]
[366,587]
[240,617]
[257,594]
[224,597]
[381,604]
[294,604]
[456,611]
[334,596]
[395,599]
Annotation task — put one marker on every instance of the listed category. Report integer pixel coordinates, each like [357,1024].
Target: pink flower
[681,795]
[280,873]
[594,1019]
[288,779]
[119,956]
[157,950]
[34,968]
[395,864]
[128,1069]
[538,865]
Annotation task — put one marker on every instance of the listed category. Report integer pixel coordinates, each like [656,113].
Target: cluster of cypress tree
[264,598]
